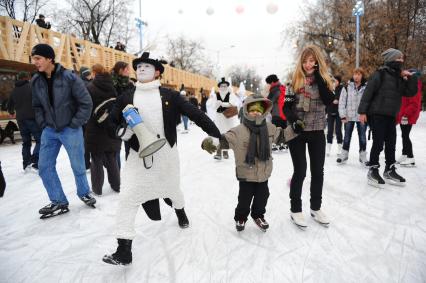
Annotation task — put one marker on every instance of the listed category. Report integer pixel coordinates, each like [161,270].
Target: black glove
[298,126]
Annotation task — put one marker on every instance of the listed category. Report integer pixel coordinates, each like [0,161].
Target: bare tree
[252,81]
[25,10]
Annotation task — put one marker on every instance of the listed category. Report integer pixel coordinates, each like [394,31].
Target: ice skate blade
[109,260]
[377,185]
[321,223]
[394,183]
[408,165]
[56,213]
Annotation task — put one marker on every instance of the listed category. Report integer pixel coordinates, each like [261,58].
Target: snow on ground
[376,235]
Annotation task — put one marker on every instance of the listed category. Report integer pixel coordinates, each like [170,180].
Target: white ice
[376,235]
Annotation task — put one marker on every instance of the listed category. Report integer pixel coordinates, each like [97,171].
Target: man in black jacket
[42,23]
[20,102]
[382,101]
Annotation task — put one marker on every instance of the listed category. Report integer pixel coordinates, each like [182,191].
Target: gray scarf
[262,151]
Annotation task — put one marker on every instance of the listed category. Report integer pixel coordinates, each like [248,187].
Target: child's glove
[298,126]
[208,145]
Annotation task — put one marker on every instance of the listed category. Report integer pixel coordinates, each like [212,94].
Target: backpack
[101,113]
[281,99]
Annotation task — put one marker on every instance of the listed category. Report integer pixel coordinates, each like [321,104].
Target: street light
[139,25]
[357,11]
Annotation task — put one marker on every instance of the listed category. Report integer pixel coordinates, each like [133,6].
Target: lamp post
[357,11]
[139,25]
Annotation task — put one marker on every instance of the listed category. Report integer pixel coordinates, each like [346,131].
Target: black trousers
[407,146]
[384,133]
[2,183]
[334,124]
[259,193]
[109,160]
[277,121]
[316,149]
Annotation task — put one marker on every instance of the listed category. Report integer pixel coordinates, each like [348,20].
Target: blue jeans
[29,128]
[185,121]
[51,142]
[361,129]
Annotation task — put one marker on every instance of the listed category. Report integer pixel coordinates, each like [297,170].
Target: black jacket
[97,138]
[384,92]
[20,101]
[333,109]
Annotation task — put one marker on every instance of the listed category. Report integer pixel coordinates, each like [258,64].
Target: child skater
[251,142]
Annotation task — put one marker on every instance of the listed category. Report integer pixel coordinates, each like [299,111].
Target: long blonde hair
[299,75]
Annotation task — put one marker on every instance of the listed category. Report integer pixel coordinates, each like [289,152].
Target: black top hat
[158,64]
[222,81]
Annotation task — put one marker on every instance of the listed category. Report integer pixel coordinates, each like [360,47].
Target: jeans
[259,193]
[361,129]
[51,142]
[316,149]
[384,132]
[334,124]
[407,146]
[28,129]
[185,121]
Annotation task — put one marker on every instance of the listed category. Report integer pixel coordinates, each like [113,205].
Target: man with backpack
[382,101]
[277,95]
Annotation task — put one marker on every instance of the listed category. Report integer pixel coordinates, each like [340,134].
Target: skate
[240,225]
[374,178]
[182,218]
[320,217]
[123,255]
[363,157]
[392,177]
[261,223]
[408,162]
[274,148]
[89,200]
[218,155]
[225,154]
[343,157]
[299,220]
[52,210]
[328,149]
[401,158]
[283,147]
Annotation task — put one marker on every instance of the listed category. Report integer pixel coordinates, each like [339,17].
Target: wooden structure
[17,39]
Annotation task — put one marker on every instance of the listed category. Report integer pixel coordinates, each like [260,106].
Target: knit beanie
[84,72]
[271,79]
[391,55]
[256,106]
[43,50]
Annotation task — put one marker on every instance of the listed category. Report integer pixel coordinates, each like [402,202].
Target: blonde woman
[304,107]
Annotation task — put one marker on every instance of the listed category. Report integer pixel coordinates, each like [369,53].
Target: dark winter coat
[333,109]
[97,138]
[43,24]
[72,104]
[203,103]
[383,93]
[20,101]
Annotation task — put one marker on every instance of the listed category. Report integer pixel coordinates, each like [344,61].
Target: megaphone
[149,143]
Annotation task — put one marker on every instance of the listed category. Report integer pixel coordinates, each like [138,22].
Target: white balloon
[272,8]
[180,11]
[239,9]
[210,11]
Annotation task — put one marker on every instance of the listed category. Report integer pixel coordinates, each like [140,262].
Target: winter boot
[328,149]
[320,217]
[261,223]
[408,162]
[343,157]
[392,177]
[240,225]
[401,158]
[363,157]
[298,219]
[123,255]
[182,219]
[374,178]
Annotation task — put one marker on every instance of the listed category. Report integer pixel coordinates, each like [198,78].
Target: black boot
[392,177]
[123,255]
[374,178]
[182,219]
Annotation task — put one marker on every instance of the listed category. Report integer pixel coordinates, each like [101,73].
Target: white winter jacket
[349,101]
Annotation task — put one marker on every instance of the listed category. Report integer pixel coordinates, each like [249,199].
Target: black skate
[182,219]
[89,200]
[274,148]
[240,225]
[283,147]
[374,178]
[392,177]
[123,255]
[52,210]
[261,223]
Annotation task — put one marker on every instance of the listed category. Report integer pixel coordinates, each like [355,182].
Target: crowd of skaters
[293,116]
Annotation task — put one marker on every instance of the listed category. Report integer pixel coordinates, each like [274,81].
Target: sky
[255,34]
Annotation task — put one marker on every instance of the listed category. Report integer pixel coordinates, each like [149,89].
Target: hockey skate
[392,177]
[320,217]
[182,218]
[89,200]
[299,220]
[374,178]
[261,223]
[343,157]
[52,210]
[240,225]
[123,255]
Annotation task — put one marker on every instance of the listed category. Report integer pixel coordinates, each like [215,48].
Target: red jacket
[411,106]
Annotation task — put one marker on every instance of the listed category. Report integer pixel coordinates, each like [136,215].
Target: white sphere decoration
[239,9]
[210,11]
[180,11]
[272,8]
